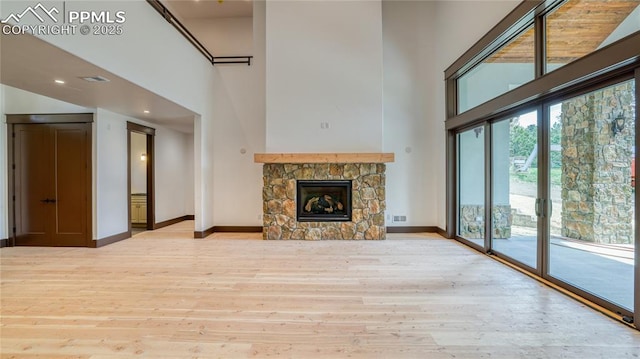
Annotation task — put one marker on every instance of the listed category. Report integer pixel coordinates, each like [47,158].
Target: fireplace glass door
[323,201]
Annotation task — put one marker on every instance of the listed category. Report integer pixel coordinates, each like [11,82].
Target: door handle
[547,207]
[48,200]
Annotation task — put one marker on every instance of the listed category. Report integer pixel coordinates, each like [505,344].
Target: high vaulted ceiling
[577,28]
[31,64]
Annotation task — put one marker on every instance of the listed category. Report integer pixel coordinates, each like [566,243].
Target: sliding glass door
[561,192]
[514,189]
[471,185]
[592,188]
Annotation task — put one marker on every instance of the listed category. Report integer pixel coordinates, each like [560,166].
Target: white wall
[324,64]
[138,167]
[189,195]
[238,190]
[153,55]
[224,36]
[409,132]
[173,178]
[23,102]
[421,39]
[239,128]
[110,162]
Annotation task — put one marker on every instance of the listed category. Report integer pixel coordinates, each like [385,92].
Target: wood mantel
[376,157]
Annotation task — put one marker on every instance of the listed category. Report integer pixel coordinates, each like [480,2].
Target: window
[508,68]
[557,154]
[580,27]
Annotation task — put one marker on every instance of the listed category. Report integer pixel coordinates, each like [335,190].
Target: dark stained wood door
[51,187]
[32,172]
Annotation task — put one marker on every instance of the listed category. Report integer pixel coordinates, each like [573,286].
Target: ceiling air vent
[95,79]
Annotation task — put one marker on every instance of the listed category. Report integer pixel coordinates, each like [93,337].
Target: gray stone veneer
[472,221]
[597,196]
[368,199]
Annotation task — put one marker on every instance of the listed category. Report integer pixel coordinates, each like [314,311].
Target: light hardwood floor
[163,294]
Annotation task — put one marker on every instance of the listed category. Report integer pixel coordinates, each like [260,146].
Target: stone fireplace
[306,196]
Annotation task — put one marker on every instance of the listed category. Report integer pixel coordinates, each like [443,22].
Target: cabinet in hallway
[139,209]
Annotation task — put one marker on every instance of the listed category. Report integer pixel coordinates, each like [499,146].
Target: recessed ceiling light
[146,111]
[59,82]
[95,79]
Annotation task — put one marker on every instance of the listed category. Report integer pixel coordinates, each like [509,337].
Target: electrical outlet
[260,216]
[324,125]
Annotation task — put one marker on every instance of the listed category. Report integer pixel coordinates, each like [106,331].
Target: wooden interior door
[70,149]
[51,187]
[33,185]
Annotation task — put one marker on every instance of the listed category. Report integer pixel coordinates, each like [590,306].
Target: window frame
[594,70]
[608,59]
[522,30]
[604,64]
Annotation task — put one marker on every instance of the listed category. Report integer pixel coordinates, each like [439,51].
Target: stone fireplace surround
[281,173]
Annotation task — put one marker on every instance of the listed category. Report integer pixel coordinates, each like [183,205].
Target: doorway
[50,179]
[138,178]
[140,144]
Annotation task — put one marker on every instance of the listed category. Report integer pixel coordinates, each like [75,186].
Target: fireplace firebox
[323,201]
